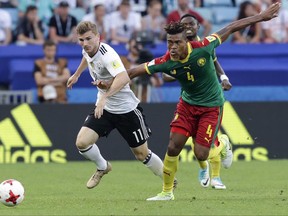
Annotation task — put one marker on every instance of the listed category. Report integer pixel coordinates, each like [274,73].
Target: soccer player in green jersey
[192,26]
[222,150]
[199,110]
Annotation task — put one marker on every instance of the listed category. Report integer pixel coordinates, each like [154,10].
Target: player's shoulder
[106,51]
[206,41]
[161,60]
[213,37]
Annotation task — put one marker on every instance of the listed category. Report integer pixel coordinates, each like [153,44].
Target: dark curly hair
[174,28]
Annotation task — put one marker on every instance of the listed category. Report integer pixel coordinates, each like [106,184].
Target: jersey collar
[91,59]
[189,52]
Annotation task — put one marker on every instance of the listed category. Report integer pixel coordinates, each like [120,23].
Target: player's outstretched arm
[137,71]
[268,14]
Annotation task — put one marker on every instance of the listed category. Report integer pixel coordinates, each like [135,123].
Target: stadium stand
[224,14]
[78,13]
[254,64]
[257,71]
[207,13]
[217,27]
[21,74]
[216,3]
[238,2]
[14,16]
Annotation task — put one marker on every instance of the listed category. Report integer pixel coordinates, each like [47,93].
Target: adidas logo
[23,139]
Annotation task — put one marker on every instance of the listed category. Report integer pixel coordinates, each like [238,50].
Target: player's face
[89,42]
[177,46]
[191,26]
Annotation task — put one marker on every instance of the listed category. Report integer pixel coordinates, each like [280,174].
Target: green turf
[253,188]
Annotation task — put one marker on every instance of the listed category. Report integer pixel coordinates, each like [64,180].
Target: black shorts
[132,125]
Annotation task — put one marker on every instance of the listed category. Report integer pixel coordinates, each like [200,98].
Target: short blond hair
[86,26]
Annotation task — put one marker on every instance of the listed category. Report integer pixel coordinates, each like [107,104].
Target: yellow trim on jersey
[146,68]
[217,36]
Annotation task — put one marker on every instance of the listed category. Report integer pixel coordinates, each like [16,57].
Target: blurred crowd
[120,20]
[134,23]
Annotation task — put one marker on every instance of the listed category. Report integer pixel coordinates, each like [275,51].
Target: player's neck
[93,53]
[184,55]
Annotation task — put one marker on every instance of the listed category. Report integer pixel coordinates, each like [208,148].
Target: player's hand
[271,12]
[226,85]
[102,84]
[71,81]
[100,107]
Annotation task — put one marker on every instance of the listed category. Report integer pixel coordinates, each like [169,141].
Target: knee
[201,152]
[173,149]
[201,155]
[81,144]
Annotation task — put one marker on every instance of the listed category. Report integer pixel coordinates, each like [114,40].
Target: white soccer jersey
[105,65]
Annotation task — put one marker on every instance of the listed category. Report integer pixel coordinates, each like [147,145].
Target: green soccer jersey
[196,73]
[214,57]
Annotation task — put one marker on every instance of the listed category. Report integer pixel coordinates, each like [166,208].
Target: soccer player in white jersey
[116,107]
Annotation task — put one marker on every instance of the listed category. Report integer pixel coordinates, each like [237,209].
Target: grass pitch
[253,188]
